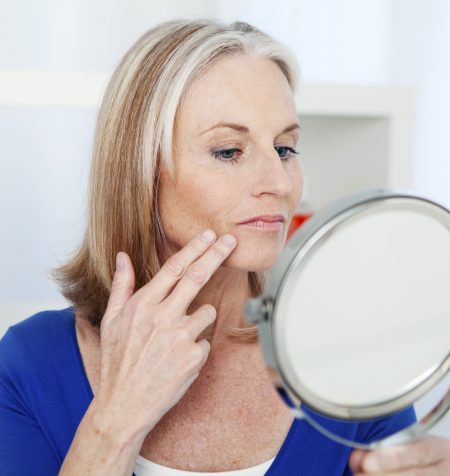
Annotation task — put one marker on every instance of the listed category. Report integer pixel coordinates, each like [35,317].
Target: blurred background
[374,105]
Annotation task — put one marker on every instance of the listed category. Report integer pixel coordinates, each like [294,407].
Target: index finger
[200,272]
[158,288]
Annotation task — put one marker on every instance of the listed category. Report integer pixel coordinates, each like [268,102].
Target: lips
[265,218]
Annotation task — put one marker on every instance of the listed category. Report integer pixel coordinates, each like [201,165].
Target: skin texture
[210,193]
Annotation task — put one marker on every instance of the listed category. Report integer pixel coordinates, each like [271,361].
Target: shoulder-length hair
[133,136]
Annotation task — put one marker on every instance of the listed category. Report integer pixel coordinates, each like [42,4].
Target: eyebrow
[245,130]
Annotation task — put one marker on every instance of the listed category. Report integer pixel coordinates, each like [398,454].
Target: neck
[226,290]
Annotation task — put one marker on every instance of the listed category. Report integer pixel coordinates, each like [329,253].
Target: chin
[252,261]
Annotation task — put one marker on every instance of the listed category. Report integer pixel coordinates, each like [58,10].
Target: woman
[153,367]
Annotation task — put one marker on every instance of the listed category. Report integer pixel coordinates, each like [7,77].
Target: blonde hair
[133,137]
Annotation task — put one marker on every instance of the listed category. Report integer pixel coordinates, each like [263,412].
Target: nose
[271,175]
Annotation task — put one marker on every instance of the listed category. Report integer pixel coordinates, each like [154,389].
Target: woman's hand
[149,353]
[426,456]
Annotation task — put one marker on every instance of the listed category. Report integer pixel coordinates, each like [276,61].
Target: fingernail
[208,236]
[212,311]
[119,262]
[228,240]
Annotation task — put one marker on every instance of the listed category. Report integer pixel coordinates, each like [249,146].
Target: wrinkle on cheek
[221,205]
[225,216]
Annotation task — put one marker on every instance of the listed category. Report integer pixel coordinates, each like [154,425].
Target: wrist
[110,427]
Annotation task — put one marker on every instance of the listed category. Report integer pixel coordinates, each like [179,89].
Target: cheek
[295,175]
[206,193]
[298,181]
[198,201]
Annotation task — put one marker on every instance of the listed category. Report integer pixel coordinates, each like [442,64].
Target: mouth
[273,223]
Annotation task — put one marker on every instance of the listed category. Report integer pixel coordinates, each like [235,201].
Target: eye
[285,152]
[227,155]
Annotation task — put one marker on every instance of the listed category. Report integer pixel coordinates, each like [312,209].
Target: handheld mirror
[354,321]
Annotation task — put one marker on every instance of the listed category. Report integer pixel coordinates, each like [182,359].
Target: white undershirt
[145,467]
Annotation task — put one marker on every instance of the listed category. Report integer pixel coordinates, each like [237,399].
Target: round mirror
[354,322]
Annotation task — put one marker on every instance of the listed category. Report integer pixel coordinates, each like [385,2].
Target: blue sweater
[44,393]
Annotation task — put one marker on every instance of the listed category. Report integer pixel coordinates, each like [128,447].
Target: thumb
[122,287]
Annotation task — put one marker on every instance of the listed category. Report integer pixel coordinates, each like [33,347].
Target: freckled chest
[221,423]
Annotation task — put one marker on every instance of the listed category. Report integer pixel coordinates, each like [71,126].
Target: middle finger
[199,272]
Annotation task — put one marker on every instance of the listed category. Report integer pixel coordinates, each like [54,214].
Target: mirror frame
[262,311]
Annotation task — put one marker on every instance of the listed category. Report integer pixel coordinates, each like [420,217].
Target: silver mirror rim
[411,432]
[323,220]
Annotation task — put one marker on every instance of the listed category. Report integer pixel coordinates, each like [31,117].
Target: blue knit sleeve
[384,427]
[24,448]
[373,430]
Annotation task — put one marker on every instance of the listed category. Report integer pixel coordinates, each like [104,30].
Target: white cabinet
[354,138]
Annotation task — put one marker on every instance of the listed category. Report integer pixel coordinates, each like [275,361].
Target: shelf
[362,101]
[354,138]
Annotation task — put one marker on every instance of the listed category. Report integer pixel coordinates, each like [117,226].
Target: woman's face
[234,133]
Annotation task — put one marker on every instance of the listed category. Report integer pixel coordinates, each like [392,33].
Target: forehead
[239,88]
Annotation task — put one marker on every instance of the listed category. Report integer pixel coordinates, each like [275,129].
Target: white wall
[81,34]
[420,55]
[345,41]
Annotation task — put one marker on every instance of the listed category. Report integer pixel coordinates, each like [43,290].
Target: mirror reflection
[361,319]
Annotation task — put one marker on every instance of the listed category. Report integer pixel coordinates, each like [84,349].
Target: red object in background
[296,222]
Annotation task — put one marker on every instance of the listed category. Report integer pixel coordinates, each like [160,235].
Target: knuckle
[184,320]
[120,284]
[198,246]
[174,266]
[197,355]
[165,337]
[162,317]
[139,308]
[420,455]
[210,311]
[104,325]
[218,251]
[197,274]
[190,362]
[116,286]
[168,313]
[183,334]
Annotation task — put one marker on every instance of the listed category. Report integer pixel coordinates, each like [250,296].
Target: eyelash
[218,156]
